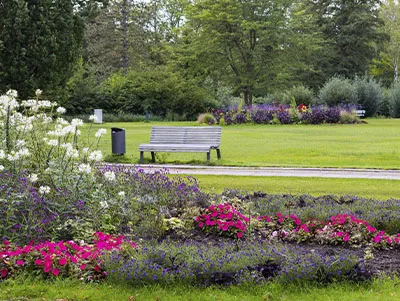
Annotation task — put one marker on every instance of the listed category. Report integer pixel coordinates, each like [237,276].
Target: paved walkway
[277,172]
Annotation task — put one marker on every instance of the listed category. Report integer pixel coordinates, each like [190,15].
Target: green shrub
[206,118]
[394,100]
[337,90]
[369,94]
[301,94]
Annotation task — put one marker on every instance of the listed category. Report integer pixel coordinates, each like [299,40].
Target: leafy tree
[39,43]
[388,63]
[251,44]
[350,29]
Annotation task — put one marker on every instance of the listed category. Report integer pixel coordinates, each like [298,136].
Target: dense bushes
[158,92]
[273,114]
[337,91]
[393,97]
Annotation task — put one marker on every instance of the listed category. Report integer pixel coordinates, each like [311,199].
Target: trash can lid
[117,129]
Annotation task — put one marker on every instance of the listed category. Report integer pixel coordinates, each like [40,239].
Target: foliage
[60,259]
[206,119]
[336,91]
[350,31]
[301,94]
[225,264]
[39,43]
[369,94]
[393,96]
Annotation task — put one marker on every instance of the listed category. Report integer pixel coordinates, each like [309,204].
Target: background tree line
[183,57]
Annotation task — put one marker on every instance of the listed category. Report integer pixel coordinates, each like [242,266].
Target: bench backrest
[210,135]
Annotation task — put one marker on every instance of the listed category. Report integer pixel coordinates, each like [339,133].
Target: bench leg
[141,161]
[208,156]
[153,157]
[218,153]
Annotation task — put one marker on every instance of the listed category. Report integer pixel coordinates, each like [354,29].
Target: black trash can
[118,141]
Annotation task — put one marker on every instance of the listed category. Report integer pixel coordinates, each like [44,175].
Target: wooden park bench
[197,139]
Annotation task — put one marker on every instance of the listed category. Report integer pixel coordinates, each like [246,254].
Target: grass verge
[370,188]
[379,289]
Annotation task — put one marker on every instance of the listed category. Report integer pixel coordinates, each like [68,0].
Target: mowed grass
[381,289]
[368,188]
[372,145]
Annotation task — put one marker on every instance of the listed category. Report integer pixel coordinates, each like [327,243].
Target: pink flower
[19,262]
[340,233]
[62,261]
[3,273]
[55,272]
[201,225]
[38,261]
[377,238]
[83,266]
[97,268]
[239,234]
[346,237]
[6,242]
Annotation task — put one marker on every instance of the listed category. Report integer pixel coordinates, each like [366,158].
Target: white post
[99,115]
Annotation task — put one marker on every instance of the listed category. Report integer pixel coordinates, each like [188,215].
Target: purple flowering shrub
[284,117]
[226,263]
[262,116]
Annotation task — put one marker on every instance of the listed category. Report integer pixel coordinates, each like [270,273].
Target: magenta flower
[62,261]
[55,272]
[19,262]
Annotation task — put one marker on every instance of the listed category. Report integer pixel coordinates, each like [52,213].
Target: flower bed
[284,114]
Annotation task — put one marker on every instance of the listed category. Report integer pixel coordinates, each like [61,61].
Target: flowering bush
[284,114]
[223,219]
[63,258]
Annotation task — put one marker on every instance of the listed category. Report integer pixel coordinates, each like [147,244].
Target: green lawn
[372,145]
[73,290]
[368,188]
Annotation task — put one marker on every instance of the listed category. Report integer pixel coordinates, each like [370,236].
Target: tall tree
[39,43]
[350,30]
[390,56]
[248,41]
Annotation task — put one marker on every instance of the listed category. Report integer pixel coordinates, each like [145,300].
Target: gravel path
[278,172]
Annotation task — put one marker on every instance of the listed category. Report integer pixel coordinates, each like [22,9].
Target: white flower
[93,118]
[20,143]
[12,93]
[62,121]
[52,142]
[85,150]
[23,152]
[33,177]
[38,92]
[96,156]
[2,154]
[44,189]
[13,157]
[100,133]
[84,168]
[1,167]
[61,110]
[44,104]
[109,175]
[76,122]
[121,194]
[103,204]
[275,233]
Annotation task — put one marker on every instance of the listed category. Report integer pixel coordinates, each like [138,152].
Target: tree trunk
[124,36]
[247,95]
[396,70]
